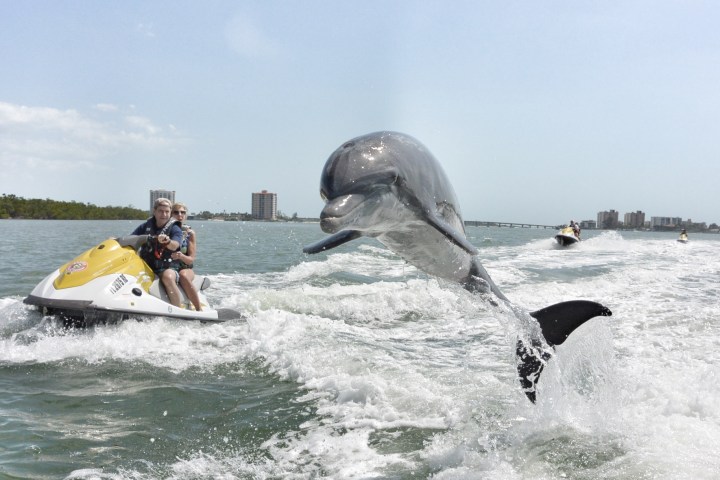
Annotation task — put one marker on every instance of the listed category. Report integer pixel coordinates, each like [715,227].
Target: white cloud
[106,107]
[146,29]
[248,40]
[142,123]
[44,117]
[34,138]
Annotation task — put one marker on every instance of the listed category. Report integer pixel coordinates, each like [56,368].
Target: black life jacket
[155,255]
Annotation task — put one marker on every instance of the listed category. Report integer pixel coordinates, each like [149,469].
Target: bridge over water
[478,223]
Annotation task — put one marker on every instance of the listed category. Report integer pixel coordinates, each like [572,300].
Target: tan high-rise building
[264,205]
[607,219]
[634,219]
[155,194]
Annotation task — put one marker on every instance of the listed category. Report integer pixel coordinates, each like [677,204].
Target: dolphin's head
[357,179]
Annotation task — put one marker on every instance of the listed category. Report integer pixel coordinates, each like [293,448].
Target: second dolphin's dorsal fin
[558,321]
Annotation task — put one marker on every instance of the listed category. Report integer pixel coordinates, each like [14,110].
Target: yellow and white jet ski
[566,236]
[110,283]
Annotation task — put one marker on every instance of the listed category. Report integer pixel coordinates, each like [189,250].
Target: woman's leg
[186,278]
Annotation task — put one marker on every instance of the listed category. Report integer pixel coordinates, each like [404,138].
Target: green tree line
[12,206]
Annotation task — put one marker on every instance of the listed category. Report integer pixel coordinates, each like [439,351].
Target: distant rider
[576,228]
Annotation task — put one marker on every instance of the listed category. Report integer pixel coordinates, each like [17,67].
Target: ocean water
[354,365]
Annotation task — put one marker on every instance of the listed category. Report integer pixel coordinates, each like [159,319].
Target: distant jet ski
[683,237]
[566,236]
[110,282]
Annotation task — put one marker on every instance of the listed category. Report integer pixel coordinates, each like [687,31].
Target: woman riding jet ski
[110,282]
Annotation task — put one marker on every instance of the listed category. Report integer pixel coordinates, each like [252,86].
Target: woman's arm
[189,257]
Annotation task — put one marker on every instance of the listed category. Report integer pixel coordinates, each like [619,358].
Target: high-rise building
[634,219]
[155,194]
[264,205]
[665,222]
[607,219]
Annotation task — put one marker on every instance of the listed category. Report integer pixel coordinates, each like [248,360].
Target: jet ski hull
[566,237]
[566,240]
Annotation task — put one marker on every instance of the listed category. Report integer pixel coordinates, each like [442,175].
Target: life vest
[184,245]
[155,255]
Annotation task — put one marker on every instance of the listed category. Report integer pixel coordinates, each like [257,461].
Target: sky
[539,111]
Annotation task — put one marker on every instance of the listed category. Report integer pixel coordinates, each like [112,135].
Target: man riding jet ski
[111,282]
[167,236]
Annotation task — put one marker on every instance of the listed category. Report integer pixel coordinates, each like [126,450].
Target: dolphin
[387,185]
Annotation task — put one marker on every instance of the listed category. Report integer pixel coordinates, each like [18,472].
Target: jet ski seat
[200,282]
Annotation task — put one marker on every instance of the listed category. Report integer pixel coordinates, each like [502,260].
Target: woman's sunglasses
[175,212]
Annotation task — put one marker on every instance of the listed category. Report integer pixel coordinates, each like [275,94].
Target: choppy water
[352,364]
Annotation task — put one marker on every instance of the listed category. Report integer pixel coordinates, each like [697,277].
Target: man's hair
[162,201]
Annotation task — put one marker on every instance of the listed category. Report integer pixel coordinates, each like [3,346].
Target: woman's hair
[178,205]
[162,201]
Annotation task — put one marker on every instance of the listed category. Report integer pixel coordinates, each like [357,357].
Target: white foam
[380,350]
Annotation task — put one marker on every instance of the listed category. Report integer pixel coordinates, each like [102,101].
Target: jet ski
[566,236]
[683,238]
[111,282]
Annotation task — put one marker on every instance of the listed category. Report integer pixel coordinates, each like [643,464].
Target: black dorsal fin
[560,320]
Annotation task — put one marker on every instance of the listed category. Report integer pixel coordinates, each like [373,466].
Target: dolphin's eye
[331,187]
[384,179]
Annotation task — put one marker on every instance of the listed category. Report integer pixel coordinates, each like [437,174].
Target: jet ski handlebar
[135,241]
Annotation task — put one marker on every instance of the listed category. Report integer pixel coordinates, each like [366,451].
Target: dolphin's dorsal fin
[560,320]
[458,238]
[332,241]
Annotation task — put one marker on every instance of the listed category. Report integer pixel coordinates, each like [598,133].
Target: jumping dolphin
[387,185]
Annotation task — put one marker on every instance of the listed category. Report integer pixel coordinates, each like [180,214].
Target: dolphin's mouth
[340,212]
[330,225]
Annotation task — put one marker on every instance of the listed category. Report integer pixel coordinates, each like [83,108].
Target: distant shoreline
[468,223]
[306,220]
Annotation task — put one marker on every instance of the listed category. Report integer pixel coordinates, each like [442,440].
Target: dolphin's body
[387,185]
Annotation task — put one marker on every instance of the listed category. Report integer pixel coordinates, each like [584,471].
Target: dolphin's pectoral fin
[560,320]
[458,238]
[531,361]
[332,241]
[557,322]
[479,281]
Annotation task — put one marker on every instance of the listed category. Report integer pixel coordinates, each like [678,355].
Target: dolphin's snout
[328,224]
[337,213]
